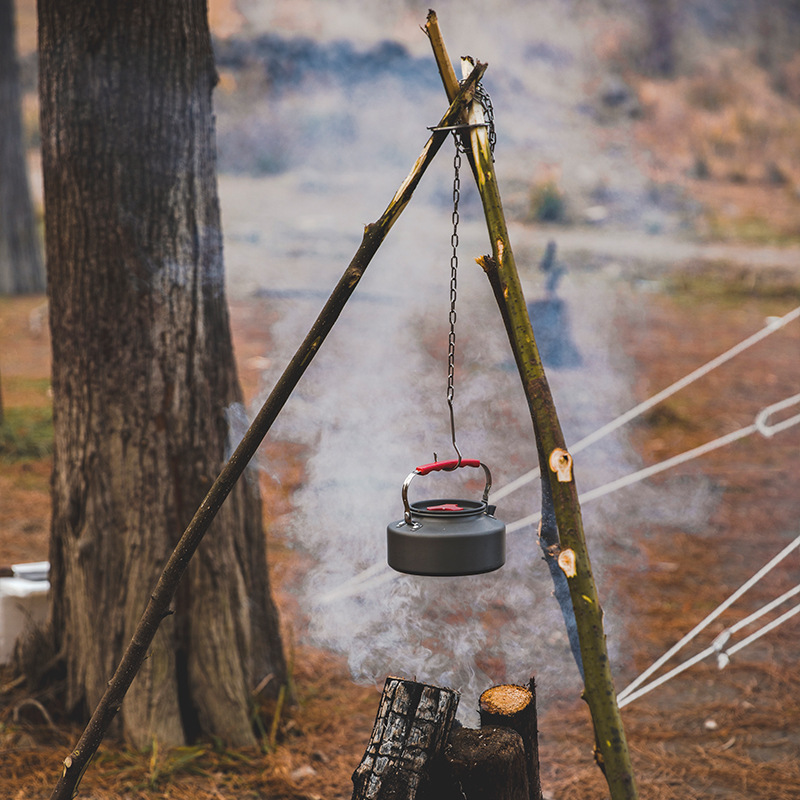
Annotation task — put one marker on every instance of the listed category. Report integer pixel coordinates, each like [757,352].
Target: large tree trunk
[143,372]
[21,268]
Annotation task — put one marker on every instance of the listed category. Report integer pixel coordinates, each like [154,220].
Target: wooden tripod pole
[158,608]
[611,748]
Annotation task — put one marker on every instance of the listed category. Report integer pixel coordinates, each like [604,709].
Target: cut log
[486,764]
[514,707]
[411,729]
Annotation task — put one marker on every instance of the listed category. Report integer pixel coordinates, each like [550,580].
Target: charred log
[411,729]
[417,752]
[485,764]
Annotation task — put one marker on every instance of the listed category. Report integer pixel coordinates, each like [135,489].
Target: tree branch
[75,764]
[572,557]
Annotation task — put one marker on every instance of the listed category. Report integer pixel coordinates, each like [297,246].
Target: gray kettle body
[446,536]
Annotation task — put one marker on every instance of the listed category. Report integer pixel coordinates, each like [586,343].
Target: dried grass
[320,741]
[748,750]
[732,141]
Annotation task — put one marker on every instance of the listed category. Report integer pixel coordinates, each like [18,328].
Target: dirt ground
[709,733]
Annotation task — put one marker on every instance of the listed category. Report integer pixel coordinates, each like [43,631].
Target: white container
[23,602]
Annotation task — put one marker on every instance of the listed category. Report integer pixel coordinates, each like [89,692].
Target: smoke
[313,150]
[373,405]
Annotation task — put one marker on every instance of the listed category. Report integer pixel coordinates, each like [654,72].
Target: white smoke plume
[372,405]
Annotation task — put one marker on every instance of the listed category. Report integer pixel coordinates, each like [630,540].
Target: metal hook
[453,434]
[465,126]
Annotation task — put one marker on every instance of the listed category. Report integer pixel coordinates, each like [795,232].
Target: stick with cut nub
[611,753]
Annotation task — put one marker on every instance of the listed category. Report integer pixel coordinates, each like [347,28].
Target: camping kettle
[445,536]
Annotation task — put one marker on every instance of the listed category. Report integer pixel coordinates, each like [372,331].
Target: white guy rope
[724,637]
[380,573]
[772,326]
[366,579]
[717,646]
[768,567]
[759,425]
[725,655]
[770,430]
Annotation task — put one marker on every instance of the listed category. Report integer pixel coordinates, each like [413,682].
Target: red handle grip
[437,465]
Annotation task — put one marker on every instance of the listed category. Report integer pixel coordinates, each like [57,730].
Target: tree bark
[410,732]
[143,372]
[21,267]
[514,707]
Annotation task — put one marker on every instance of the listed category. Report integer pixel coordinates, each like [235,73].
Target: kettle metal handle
[447,466]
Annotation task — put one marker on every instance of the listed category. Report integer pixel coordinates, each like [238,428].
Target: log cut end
[514,707]
[506,700]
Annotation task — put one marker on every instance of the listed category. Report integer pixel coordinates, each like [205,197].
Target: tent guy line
[774,324]
[380,573]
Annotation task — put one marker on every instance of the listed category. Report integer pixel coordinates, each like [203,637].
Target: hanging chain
[488,113]
[451,340]
[482,96]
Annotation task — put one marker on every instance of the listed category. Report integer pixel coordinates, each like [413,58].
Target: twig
[276,719]
[12,684]
[158,607]
[30,701]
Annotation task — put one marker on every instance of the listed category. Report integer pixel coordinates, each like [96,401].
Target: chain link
[488,113]
[483,98]
[451,339]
